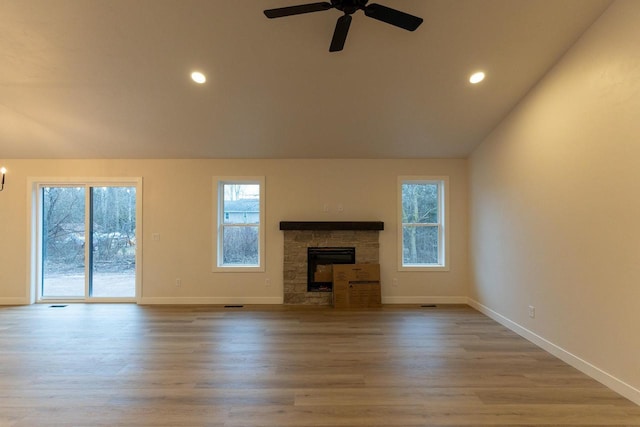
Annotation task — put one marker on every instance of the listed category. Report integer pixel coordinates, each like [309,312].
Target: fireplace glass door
[320,260]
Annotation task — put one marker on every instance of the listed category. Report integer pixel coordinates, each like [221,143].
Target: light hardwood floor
[109,365]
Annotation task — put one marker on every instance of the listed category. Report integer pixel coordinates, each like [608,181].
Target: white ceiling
[110,78]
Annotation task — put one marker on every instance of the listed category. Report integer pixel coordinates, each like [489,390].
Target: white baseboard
[14,301]
[210,300]
[424,300]
[585,367]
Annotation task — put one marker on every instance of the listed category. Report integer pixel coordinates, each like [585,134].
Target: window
[239,240]
[422,233]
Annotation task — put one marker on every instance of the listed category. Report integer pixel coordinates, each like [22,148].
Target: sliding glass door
[112,269]
[88,242]
[63,242]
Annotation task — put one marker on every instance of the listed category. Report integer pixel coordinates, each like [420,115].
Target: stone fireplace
[299,236]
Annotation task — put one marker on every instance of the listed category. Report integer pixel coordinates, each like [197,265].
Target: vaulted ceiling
[111,78]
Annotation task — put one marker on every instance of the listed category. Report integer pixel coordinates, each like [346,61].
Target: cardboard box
[356,286]
[323,273]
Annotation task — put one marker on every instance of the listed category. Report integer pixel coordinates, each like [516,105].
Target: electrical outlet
[155,236]
[532,312]
[394,283]
[178,283]
[267,283]
[325,208]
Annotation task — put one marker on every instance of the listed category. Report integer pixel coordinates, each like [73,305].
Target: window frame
[443,220]
[218,223]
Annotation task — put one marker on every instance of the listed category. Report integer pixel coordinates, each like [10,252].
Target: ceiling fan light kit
[349,7]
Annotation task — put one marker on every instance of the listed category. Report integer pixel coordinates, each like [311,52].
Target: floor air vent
[58,306]
[429,306]
[234,306]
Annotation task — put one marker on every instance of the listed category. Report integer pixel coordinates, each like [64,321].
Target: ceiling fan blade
[392,16]
[297,10]
[340,33]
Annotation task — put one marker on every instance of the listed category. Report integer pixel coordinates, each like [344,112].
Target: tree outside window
[422,230]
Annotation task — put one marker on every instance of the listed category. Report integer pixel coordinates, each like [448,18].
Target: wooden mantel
[332,225]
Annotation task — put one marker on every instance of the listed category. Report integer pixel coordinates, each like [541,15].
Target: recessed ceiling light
[198,77]
[476,77]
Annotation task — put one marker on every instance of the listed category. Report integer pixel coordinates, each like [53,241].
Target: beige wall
[555,197]
[178,205]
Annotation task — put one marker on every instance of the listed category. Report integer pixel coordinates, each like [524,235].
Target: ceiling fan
[349,7]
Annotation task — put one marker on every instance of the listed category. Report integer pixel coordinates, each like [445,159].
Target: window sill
[419,267]
[238,269]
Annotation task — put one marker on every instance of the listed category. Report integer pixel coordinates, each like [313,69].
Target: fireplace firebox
[319,262]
